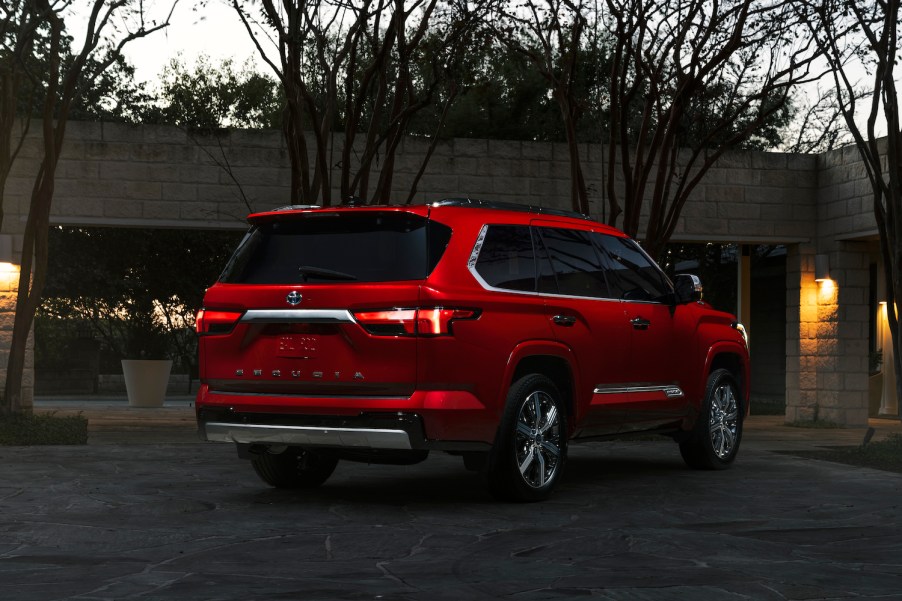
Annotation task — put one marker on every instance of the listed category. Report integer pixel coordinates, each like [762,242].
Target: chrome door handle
[564,320]
[640,323]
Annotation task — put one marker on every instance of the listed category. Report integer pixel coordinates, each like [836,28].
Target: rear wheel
[715,439]
[295,467]
[531,446]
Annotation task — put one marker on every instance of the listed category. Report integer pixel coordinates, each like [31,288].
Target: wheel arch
[736,363]
[550,360]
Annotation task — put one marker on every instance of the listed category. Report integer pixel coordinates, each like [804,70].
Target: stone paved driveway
[191,522]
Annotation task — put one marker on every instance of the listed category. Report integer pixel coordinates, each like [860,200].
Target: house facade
[817,207]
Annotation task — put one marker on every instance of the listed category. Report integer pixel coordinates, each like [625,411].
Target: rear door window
[338,247]
[576,267]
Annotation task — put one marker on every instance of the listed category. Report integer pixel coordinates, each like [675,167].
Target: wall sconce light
[821,268]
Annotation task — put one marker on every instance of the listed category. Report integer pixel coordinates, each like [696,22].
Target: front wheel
[295,467]
[714,440]
[531,446]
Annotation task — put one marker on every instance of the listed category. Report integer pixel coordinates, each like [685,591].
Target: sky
[216,31]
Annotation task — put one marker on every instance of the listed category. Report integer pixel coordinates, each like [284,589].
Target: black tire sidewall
[503,475]
[282,469]
[699,449]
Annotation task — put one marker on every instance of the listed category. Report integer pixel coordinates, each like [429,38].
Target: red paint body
[452,369]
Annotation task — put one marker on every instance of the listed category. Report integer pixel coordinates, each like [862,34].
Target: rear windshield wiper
[305,271]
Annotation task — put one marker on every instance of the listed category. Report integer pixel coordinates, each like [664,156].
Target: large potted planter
[146,368]
[146,381]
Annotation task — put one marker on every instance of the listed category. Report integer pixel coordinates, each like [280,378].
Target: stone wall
[114,174]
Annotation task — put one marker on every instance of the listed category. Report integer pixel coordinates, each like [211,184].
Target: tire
[294,468]
[530,449]
[715,439]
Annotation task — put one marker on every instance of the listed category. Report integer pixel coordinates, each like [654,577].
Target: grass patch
[817,424]
[883,455]
[43,429]
[761,408]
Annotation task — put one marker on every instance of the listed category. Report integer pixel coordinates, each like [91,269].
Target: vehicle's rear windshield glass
[338,247]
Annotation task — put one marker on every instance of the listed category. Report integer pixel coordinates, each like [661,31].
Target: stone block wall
[115,174]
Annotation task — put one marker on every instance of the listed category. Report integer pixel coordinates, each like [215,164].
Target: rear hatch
[321,302]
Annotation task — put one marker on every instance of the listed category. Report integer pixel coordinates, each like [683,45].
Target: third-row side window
[568,262]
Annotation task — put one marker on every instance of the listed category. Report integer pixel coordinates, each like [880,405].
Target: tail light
[413,322]
[210,322]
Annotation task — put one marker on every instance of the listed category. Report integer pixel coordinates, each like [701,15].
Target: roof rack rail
[295,208]
[506,206]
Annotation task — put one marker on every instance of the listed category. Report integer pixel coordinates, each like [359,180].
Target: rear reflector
[412,322]
[211,322]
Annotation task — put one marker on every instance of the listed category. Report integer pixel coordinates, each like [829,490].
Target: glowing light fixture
[821,268]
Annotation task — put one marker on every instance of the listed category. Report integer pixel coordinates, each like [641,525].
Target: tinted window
[506,258]
[632,274]
[337,247]
[575,262]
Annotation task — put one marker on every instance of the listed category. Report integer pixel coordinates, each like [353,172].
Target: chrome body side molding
[671,391]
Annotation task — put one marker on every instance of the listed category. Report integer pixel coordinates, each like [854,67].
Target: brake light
[413,322]
[209,322]
[392,322]
[437,322]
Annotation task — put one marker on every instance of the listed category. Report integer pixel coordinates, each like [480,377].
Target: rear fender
[544,348]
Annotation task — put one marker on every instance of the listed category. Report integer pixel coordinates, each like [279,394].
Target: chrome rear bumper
[307,436]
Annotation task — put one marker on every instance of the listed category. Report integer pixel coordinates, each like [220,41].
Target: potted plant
[146,366]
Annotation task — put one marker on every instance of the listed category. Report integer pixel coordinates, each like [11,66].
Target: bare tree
[817,125]
[21,24]
[690,80]
[553,35]
[857,36]
[354,72]
[111,25]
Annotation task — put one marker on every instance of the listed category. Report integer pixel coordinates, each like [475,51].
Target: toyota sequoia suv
[496,332]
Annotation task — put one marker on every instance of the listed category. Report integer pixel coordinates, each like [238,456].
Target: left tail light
[435,321]
[210,322]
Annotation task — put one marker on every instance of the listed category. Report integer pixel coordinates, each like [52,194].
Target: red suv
[496,332]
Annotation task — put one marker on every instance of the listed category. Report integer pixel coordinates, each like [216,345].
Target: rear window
[337,247]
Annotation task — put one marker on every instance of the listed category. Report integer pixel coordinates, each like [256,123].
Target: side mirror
[687,288]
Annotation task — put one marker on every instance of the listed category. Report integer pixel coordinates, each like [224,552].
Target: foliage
[714,263]
[502,98]
[135,291]
[43,429]
[207,97]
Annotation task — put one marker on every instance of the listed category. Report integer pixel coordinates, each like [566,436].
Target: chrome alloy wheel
[724,421]
[538,439]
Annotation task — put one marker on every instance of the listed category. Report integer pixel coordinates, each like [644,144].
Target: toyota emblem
[294,298]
